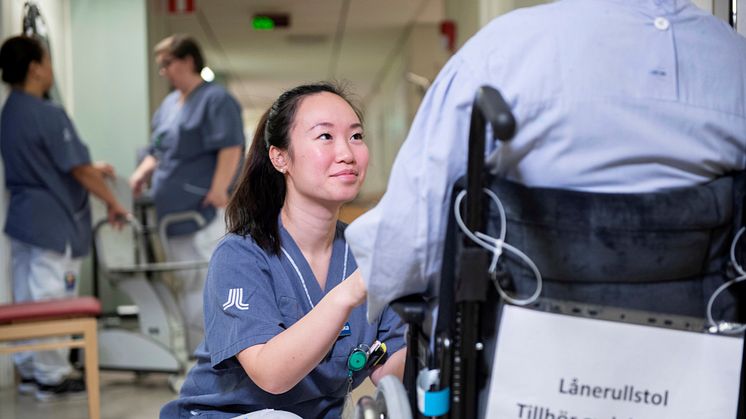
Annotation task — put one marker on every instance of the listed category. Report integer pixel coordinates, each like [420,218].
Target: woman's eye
[325,136]
[357,136]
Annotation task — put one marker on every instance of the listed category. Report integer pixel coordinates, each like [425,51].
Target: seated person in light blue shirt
[196,146]
[284,302]
[609,96]
[49,173]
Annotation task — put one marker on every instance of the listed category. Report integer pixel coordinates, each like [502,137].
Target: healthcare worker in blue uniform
[196,148]
[49,173]
[284,301]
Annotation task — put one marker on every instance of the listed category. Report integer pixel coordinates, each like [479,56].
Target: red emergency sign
[180,6]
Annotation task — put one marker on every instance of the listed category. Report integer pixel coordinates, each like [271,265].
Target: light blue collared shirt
[609,96]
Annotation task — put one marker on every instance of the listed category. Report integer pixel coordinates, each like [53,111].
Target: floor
[123,396]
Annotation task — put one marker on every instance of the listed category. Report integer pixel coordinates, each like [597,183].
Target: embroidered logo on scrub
[235,295]
[66,135]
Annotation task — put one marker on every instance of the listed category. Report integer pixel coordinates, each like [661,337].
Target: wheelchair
[578,261]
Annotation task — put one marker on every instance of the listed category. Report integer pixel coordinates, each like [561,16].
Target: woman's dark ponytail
[256,203]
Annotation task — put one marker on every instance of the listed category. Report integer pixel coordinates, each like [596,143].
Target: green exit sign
[262,23]
[269,21]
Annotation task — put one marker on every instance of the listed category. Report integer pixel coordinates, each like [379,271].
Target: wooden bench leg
[91,369]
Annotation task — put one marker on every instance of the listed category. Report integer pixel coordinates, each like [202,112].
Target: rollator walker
[126,260]
[651,259]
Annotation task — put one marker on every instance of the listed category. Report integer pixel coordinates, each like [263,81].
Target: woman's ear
[33,70]
[278,158]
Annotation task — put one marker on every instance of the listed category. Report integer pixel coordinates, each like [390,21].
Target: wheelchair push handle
[489,107]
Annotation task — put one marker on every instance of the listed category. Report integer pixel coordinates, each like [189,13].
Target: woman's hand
[117,215]
[352,290]
[137,184]
[105,169]
[141,175]
[216,198]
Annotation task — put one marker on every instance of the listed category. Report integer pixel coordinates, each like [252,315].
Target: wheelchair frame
[465,286]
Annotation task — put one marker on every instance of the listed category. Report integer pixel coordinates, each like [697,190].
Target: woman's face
[174,69]
[43,72]
[327,158]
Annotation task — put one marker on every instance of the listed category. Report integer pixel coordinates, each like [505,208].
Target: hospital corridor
[356,209]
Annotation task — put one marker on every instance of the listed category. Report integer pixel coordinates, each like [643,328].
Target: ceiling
[352,41]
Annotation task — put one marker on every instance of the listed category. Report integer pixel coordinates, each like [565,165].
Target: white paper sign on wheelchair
[555,366]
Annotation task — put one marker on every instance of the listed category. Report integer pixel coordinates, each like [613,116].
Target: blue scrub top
[186,139]
[271,298]
[48,207]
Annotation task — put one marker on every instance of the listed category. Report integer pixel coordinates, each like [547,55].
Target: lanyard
[300,276]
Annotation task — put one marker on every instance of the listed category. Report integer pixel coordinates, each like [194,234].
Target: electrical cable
[496,246]
[727,327]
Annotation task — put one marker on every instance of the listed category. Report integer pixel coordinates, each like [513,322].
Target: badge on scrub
[70,279]
[345,330]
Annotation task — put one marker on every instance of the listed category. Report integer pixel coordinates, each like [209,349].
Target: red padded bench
[54,318]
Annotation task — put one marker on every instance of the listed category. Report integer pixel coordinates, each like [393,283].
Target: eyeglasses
[164,63]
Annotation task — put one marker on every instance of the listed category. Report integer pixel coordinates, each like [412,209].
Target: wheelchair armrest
[411,308]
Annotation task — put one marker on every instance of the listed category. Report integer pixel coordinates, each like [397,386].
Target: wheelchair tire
[366,408]
[392,400]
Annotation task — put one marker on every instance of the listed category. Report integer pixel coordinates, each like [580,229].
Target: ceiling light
[207,74]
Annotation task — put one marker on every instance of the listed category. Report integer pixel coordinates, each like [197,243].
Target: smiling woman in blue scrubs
[284,302]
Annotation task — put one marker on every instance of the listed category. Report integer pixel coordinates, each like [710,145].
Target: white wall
[704,4]
[158,29]
[110,76]
[110,79]
[386,126]
[56,14]
[389,112]
[472,15]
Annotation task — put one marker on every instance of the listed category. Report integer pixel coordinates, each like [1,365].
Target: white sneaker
[27,386]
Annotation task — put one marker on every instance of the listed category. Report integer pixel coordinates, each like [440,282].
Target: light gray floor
[123,396]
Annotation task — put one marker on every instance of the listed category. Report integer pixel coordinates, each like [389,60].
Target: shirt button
[661,23]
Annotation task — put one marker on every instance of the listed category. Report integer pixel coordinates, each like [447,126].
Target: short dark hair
[16,55]
[260,193]
[182,46]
